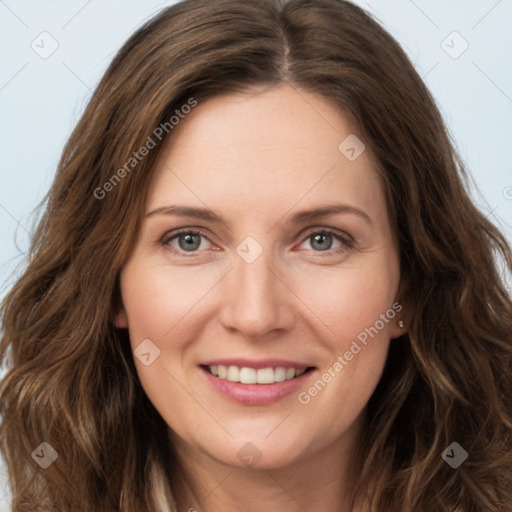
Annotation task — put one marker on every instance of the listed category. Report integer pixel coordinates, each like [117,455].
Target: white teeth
[280,374]
[265,376]
[247,375]
[233,374]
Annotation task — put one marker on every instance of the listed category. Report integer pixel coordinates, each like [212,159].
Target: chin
[257,453]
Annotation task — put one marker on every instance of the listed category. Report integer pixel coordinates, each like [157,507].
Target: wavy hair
[71,380]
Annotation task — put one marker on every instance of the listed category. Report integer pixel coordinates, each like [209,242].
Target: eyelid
[346,240]
[171,235]
[342,236]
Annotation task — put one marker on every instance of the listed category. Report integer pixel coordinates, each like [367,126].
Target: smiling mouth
[247,375]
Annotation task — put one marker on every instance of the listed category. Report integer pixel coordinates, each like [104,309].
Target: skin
[256,159]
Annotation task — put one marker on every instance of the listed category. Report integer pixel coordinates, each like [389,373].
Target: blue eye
[321,241]
[188,241]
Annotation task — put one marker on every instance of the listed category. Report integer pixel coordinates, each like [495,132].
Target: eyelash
[348,242]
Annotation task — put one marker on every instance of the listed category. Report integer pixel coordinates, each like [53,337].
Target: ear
[117,312]
[401,321]
[120,320]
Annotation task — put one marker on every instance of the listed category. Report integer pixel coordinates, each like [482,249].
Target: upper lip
[257,364]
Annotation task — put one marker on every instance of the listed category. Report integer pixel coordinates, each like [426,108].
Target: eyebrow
[297,218]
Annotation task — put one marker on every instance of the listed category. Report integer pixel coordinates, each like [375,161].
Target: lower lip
[256,394]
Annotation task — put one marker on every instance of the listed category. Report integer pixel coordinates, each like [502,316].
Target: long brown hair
[72,381]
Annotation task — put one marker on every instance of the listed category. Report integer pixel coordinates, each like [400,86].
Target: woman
[260,284]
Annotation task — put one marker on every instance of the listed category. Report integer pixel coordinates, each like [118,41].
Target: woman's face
[301,273]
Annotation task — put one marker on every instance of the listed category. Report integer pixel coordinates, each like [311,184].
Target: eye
[186,241]
[323,240]
[326,241]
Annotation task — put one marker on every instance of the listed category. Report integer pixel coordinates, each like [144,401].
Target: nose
[256,299]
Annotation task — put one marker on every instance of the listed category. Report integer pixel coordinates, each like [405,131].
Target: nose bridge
[256,279]
[255,300]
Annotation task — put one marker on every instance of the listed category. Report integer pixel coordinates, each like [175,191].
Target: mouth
[253,383]
[251,375]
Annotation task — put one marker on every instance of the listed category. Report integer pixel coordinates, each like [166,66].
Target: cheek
[159,305]
[350,299]
[159,300]
[356,303]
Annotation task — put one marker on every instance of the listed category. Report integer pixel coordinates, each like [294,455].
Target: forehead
[274,147]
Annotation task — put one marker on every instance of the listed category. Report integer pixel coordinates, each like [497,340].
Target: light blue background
[41,99]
